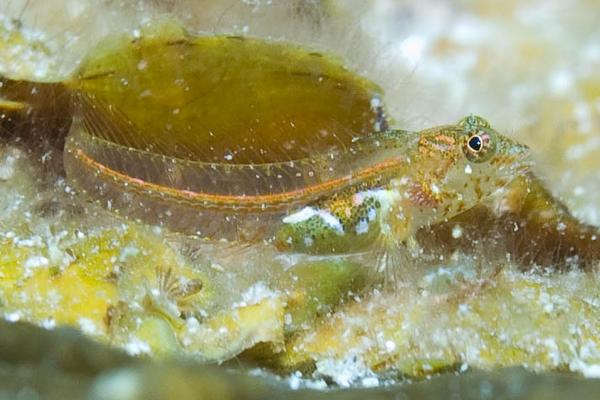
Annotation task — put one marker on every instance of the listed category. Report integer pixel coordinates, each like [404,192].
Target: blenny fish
[374,195]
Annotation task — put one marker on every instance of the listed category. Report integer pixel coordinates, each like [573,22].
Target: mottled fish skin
[445,171]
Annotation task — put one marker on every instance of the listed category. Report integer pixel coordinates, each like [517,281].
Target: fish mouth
[519,168]
[522,160]
[516,164]
[524,165]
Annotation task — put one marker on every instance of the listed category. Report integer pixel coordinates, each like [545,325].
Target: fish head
[468,162]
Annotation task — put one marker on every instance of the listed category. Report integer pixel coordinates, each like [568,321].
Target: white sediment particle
[587,370]
[217,267]
[223,330]
[468,169]
[554,353]
[255,294]
[13,316]
[136,347]
[296,381]
[390,346]
[375,102]
[318,384]
[192,324]
[36,262]
[345,372]
[34,241]
[128,252]
[457,232]
[192,330]
[49,324]
[88,326]
[57,255]
[370,381]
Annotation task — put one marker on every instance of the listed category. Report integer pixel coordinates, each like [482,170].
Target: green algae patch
[315,289]
[77,281]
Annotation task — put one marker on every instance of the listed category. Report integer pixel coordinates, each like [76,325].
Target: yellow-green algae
[543,322]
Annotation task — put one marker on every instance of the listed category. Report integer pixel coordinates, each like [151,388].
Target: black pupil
[475,143]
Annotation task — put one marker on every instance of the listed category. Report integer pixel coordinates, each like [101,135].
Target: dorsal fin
[104,131]
[101,127]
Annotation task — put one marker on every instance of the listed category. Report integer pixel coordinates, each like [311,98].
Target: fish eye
[475,143]
[479,146]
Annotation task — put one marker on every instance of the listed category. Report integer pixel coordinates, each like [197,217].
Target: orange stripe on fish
[258,202]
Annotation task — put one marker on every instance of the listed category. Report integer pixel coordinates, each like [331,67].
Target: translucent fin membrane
[185,174]
[218,178]
[227,100]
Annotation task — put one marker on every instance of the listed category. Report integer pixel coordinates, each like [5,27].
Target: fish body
[374,194]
